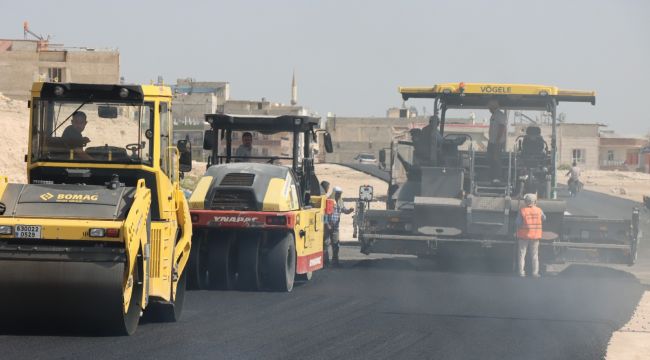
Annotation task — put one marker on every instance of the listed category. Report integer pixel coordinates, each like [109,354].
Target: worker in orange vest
[529,233]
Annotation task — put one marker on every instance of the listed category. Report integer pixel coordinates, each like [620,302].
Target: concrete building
[193,99]
[355,135]
[401,112]
[190,102]
[262,107]
[23,62]
[575,142]
[621,152]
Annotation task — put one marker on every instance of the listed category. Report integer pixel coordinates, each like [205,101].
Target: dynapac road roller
[101,232]
[258,213]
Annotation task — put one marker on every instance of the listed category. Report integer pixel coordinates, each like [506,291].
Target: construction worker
[496,139]
[529,233]
[333,221]
[325,187]
[329,207]
[574,179]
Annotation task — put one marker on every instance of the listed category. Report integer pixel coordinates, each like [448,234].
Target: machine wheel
[170,311]
[282,264]
[222,263]
[198,265]
[305,277]
[131,318]
[248,264]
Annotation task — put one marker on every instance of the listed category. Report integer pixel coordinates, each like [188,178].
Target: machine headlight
[6,230]
[97,232]
[58,90]
[124,92]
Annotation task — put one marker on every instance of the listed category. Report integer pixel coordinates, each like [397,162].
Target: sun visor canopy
[511,96]
[64,201]
[91,92]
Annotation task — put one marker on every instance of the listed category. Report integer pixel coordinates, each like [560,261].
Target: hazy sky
[350,56]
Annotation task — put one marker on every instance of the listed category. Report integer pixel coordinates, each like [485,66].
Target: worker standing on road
[333,221]
[529,233]
[574,179]
[329,207]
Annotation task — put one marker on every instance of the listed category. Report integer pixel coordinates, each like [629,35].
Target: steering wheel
[133,148]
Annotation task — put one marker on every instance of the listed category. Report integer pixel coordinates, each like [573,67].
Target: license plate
[28,232]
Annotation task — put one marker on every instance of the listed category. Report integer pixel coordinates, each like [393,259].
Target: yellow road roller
[258,214]
[101,232]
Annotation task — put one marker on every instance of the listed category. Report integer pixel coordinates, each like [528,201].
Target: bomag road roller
[258,213]
[448,196]
[101,232]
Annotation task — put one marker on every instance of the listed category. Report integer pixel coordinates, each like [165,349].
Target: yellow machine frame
[161,246]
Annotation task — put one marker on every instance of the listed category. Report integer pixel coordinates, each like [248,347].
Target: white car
[366,159]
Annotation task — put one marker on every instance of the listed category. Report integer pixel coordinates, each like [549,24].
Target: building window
[610,155]
[578,156]
[55,74]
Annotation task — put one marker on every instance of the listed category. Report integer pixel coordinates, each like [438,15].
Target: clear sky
[350,56]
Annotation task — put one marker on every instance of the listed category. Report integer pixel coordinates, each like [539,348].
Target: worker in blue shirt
[333,221]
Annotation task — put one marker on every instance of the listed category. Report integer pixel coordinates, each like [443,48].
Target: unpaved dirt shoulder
[349,180]
[625,184]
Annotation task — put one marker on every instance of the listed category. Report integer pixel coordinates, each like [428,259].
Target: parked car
[366,159]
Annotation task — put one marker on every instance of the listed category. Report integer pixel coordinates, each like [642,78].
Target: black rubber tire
[170,311]
[281,262]
[305,277]
[248,264]
[222,263]
[198,264]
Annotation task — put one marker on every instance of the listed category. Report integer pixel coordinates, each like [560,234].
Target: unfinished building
[23,62]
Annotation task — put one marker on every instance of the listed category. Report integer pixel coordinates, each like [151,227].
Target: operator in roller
[73,138]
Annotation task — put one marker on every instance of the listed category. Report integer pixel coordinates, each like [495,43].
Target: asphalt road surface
[379,308]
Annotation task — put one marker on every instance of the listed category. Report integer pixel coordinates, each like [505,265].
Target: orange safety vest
[531,227]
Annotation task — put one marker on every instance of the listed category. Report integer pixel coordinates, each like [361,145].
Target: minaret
[294,90]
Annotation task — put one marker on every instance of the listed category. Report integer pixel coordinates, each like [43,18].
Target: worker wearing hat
[333,220]
[529,233]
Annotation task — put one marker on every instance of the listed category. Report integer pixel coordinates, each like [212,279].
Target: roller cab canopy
[262,123]
[511,96]
[97,92]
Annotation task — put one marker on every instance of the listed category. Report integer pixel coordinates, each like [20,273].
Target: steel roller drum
[62,295]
